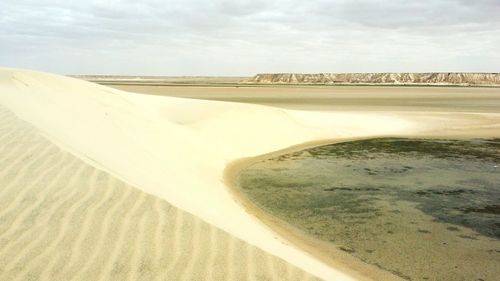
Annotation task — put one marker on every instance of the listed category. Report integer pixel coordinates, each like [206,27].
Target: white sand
[62,219]
[177,148]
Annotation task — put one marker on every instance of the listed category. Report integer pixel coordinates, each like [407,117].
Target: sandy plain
[340,98]
[470,112]
[172,150]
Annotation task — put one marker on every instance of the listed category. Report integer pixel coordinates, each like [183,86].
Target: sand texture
[62,219]
[175,149]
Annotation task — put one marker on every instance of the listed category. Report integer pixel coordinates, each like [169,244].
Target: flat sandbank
[345,98]
[455,112]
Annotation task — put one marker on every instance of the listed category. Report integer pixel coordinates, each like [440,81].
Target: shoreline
[279,85]
[327,252]
[340,260]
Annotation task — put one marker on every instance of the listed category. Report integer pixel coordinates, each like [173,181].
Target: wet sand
[327,252]
[343,98]
[391,203]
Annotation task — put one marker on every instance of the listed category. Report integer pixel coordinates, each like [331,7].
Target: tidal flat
[340,98]
[423,209]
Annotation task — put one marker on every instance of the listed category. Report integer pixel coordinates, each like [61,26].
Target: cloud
[243,37]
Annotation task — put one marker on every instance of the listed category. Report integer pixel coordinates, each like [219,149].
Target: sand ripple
[62,219]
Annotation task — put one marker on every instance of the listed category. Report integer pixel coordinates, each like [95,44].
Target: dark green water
[422,209]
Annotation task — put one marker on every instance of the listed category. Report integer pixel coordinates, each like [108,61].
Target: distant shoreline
[273,85]
[307,80]
[326,252]
[329,253]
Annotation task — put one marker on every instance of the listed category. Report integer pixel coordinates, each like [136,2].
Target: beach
[159,162]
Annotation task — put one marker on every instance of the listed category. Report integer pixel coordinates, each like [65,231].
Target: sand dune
[173,148]
[62,219]
[176,148]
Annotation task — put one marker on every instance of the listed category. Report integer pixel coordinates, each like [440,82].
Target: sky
[243,37]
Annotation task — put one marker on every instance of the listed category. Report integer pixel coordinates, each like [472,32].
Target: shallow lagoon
[421,209]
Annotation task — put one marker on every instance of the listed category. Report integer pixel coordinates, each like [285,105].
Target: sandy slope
[62,219]
[177,148]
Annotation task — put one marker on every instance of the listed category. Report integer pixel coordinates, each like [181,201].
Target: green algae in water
[422,209]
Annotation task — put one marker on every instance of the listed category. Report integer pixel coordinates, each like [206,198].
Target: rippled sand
[179,150]
[62,219]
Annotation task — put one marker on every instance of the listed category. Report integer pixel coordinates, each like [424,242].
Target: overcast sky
[243,37]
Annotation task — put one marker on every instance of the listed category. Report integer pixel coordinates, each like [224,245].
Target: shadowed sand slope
[62,219]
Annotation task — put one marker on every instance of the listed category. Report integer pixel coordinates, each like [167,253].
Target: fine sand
[175,149]
[62,219]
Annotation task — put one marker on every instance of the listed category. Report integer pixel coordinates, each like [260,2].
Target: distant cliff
[462,79]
